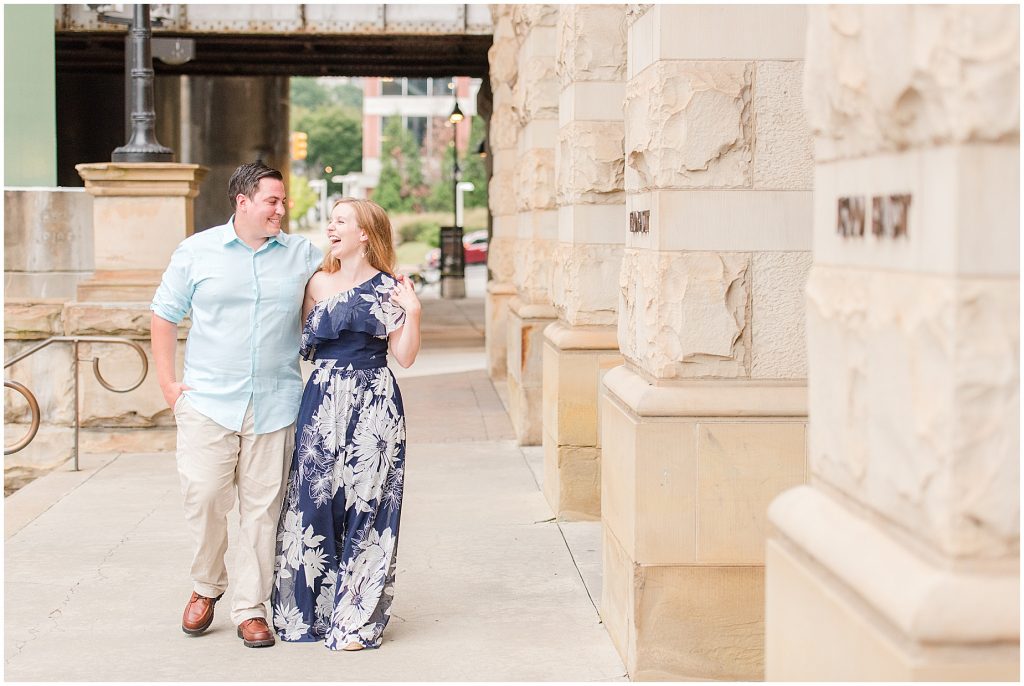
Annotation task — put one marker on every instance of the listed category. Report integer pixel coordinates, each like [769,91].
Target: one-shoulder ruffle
[366,308]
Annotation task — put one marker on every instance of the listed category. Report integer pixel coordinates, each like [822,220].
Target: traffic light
[299,144]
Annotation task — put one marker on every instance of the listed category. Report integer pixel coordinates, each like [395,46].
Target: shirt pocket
[283,294]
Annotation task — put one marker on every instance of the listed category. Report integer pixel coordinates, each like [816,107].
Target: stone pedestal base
[575,361]
[138,285]
[141,211]
[495,328]
[687,472]
[525,336]
[847,601]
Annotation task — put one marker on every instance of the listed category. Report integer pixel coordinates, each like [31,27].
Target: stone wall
[581,346]
[535,106]
[913,338]
[706,421]
[503,141]
[48,245]
[138,421]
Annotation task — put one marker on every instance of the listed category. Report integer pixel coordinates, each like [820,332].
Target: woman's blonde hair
[371,218]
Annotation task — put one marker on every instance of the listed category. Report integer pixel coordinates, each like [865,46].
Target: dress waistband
[326,360]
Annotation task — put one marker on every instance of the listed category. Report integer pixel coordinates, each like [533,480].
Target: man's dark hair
[246,179]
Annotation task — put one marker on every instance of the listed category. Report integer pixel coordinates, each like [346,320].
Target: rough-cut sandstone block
[778,334]
[121,366]
[501,17]
[537,91]
[590,163]
[24,319]
[503,60]
[914,385]
[504,130]
[636,10]
[533,263]
[110,319]
[688,125]
[583,283]
[885,78]
[591,43]
[501,258]
[535,180]
[52,446]
[783,150]
[685,314]
[501,191]
[48,375]
[526,17]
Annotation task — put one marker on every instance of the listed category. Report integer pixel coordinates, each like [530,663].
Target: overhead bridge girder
[292,40]
[287,19]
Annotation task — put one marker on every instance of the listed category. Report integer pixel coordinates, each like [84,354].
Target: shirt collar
[228,234]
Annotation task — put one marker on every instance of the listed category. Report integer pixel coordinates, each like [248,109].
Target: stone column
[901,560]
[592,222]
[705,423]
[530,309]
[502,137]
[141,211]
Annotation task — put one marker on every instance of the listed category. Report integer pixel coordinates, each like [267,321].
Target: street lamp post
[453,256]
[142,145]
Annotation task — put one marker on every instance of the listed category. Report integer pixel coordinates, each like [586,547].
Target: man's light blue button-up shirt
[246,307]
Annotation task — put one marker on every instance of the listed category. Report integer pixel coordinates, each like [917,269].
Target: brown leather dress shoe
[255,633]
[198,615]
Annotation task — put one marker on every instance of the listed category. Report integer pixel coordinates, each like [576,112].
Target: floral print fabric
[338,533]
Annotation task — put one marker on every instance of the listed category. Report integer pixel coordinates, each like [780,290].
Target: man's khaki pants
[212,461]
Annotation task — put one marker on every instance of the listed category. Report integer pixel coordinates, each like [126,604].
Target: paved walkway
[489,587]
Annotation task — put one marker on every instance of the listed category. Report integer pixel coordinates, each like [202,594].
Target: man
[236,405]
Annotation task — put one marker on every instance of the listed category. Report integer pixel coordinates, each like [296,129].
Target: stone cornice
[707,398]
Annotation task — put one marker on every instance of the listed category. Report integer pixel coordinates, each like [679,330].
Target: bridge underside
[289,55]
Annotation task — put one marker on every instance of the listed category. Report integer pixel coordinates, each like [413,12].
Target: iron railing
[31,398]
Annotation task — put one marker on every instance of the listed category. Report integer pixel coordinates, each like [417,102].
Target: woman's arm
[405,342]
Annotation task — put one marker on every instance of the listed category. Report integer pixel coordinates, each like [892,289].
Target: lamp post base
[453,287]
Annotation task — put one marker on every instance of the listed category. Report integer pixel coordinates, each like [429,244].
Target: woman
[338,533]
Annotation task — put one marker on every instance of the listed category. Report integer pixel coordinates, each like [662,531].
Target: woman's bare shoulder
[318,285]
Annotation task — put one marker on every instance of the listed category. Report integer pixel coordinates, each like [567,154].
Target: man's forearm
[164,339]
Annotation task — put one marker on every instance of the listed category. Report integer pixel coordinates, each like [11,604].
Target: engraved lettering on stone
[639,222]
[890,215]
[850,217]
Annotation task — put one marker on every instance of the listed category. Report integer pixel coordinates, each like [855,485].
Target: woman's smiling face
[343,232]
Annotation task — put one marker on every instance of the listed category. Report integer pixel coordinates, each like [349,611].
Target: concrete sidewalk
[487,589]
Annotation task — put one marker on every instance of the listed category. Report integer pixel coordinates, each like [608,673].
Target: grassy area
[412,252]
[474,218]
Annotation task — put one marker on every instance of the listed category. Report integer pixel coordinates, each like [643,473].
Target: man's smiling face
[265,211]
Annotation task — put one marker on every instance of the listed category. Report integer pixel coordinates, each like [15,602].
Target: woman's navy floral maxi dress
[338,534]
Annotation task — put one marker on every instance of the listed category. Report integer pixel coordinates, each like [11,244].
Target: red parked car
[474,244]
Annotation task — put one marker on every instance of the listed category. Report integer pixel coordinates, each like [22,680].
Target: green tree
[401,181]
[307,92]
[471,168]
[302,197]
[388,193]
[335,139]
[348,95]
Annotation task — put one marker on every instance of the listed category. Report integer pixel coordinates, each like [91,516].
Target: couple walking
[318,471]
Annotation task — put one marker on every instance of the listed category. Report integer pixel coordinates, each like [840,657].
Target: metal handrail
[31,398]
